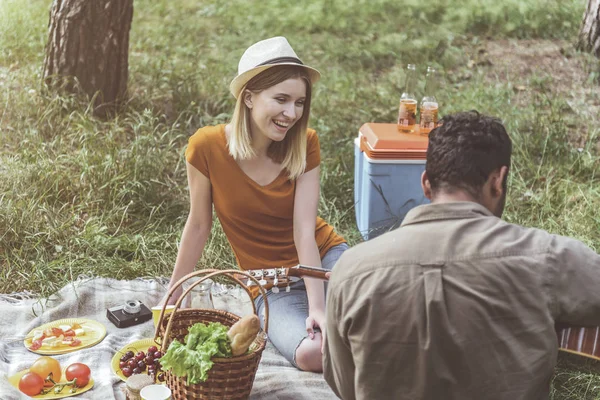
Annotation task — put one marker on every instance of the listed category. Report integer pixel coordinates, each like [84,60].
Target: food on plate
[132,363]
[65,335]
[192,359]
[79,374]
[31,384]
[48,369]
[243,333]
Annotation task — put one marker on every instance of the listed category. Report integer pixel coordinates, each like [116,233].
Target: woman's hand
[173,298]
[316,319]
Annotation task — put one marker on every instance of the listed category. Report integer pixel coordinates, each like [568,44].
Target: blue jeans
[288,310]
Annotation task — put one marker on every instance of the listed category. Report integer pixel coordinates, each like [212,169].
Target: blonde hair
[291,151]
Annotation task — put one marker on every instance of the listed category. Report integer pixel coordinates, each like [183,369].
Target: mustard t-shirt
[257,220]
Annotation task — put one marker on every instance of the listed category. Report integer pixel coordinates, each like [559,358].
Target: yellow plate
[14,380]
[138,345]
[94,333]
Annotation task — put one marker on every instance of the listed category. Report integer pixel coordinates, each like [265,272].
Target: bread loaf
[243,333]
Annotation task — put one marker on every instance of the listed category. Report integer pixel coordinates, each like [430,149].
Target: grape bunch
[149,362]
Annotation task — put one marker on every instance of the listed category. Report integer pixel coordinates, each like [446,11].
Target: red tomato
[36,344]
[56,331]
[80,371]
[31,384]
[44,366]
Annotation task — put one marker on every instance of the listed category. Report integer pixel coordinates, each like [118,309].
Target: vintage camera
[131,313]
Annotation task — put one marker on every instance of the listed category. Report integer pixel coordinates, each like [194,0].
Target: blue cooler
[387,177]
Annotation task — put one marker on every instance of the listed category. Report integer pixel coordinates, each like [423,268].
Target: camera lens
[132,307]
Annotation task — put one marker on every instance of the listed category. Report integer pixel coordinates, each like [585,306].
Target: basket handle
[209,273]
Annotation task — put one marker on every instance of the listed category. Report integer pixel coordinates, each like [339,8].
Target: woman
[261,172]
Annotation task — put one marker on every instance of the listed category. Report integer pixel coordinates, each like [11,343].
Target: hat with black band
[264,55]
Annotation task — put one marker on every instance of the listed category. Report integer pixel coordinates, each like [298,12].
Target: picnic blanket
[275,379]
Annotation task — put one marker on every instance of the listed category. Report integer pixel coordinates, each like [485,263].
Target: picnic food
[243,333]
[48,369]
[44,376]
[79,373]
[192,359]
[78,376]
[31,384]
[56,336]
[64,336]
[132,363]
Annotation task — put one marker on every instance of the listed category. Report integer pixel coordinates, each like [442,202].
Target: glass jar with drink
[407,111]
[428,110]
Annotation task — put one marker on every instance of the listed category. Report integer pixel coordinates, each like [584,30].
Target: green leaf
[193,360]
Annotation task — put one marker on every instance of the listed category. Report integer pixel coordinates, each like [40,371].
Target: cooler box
[387,177]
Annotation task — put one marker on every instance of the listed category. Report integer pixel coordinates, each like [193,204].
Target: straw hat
[264,55]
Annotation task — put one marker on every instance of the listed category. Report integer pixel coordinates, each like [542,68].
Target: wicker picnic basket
[229,378]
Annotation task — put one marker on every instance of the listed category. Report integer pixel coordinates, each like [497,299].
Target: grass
[85,196]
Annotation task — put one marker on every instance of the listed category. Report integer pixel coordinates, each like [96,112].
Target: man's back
[455,304]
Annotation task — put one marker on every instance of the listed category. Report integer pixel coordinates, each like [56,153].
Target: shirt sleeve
[577,282]
[198,150]
[338,361]
[313,150]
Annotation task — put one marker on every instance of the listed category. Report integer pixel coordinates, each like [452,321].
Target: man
[456,303]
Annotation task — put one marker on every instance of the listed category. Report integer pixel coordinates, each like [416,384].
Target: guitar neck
[579,340]
[304,270]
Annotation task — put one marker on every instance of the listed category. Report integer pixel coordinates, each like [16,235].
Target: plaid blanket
[89,298]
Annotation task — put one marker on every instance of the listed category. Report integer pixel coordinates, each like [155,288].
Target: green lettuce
[193,359]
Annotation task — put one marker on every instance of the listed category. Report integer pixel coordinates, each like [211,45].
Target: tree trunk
[589,35]
[88,48]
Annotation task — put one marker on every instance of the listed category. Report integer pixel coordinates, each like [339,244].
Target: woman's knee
[308,355]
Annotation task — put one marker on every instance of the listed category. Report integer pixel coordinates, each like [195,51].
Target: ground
[566,72]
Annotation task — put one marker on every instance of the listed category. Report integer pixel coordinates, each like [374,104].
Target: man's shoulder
[515,231]
[417,243]
[366,255]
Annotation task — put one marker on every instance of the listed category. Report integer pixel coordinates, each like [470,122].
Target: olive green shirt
[455,304]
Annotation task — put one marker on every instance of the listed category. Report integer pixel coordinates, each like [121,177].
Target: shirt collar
[439,211]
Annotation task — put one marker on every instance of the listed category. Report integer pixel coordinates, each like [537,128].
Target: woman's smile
[282,126]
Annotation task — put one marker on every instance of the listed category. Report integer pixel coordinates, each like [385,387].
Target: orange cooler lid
[384,141]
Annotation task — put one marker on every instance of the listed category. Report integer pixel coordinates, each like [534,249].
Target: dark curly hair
[464,150]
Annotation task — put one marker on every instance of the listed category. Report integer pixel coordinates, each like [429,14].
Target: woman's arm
[197,227]
[306,203]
